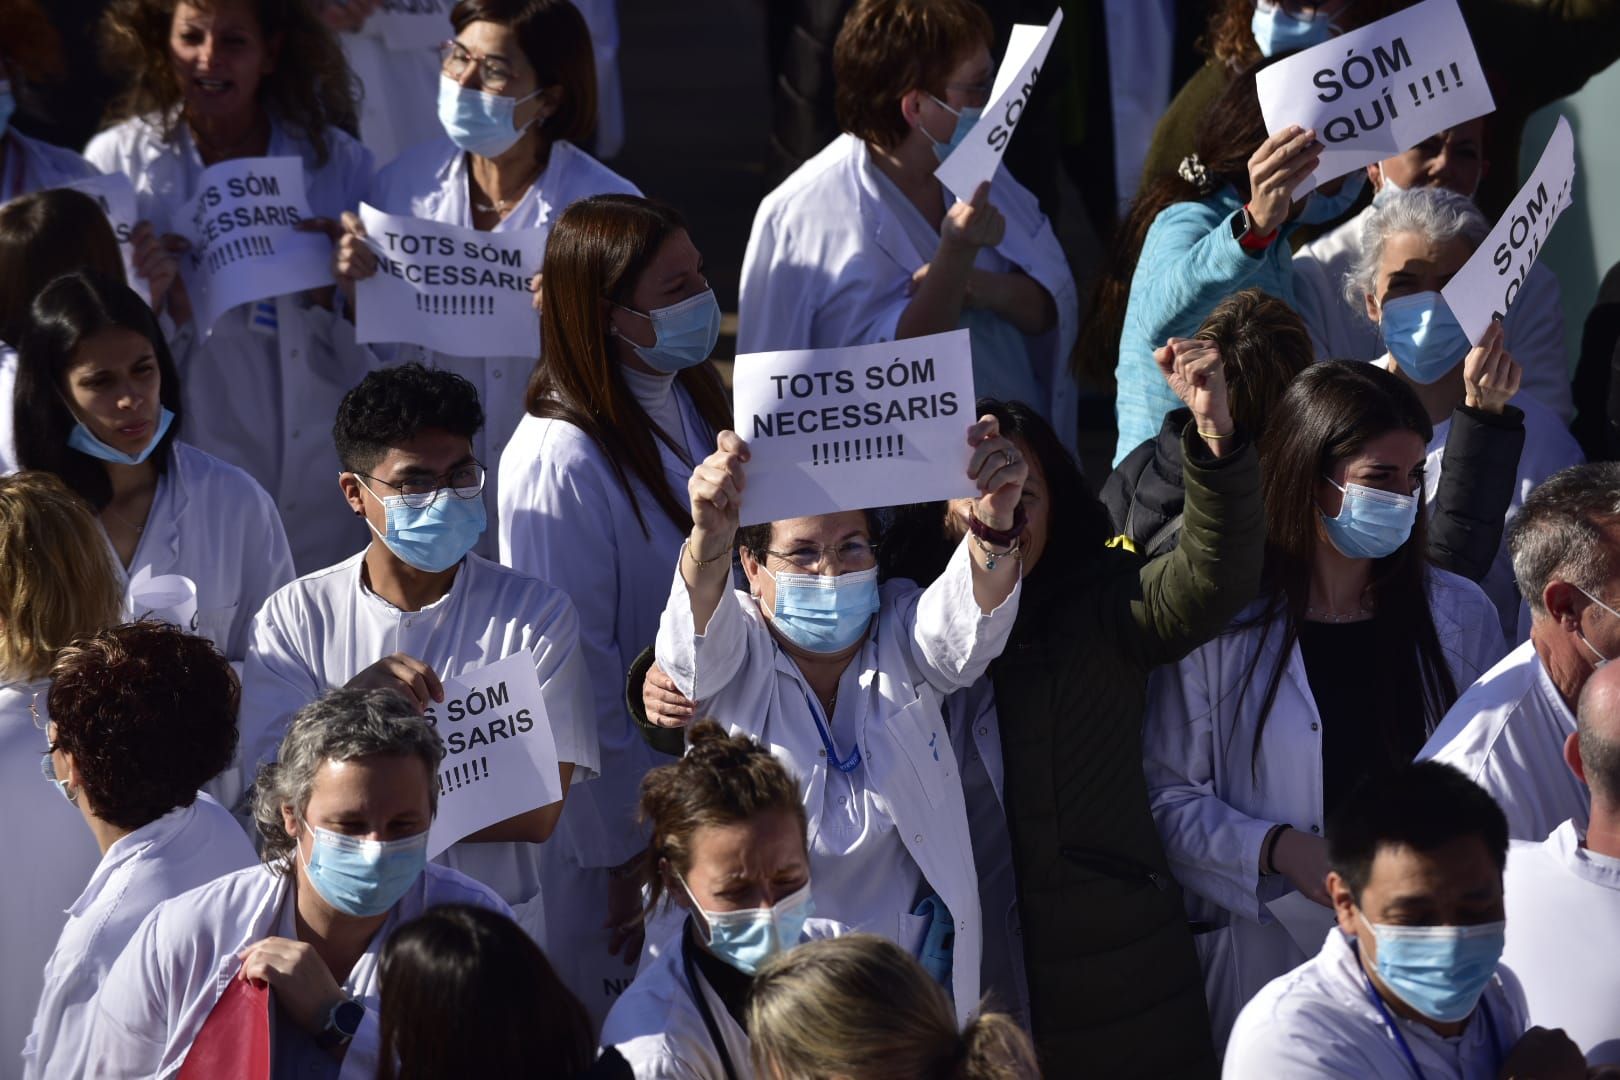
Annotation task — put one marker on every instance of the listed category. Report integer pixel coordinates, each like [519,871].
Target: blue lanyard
[843,765]
[1400,1040]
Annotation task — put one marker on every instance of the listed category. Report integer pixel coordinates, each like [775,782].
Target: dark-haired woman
[243,79]
[592,499]
[1355,649]
[1217,225]
[141,716]
[98,403]
[517,92]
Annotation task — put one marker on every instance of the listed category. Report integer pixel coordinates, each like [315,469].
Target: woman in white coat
[846,682]
[621,409]
[98,403]
[1354,651]
[343,817]
[730,854]
[141,716]
[239,79]
[517,90]
[57,581]
[862,243]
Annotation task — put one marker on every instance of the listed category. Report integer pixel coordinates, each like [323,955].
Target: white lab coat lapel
[881,225]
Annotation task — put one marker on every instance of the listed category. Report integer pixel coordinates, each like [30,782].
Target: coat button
[917,839]
[497,373]
[1314,725]
[822,752]
[984,730]
[843,800]
[1315,829]
[295,354]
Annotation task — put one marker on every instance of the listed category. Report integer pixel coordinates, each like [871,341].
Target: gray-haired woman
[343,817]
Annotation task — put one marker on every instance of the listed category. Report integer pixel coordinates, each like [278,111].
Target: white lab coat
[30,165]
[50,853]
[657,1028]
[924,644]
[828,264]
[1534,324]
[325,628]
[212,523]
[1317,1021]
[1563,934]
[430,181]
[1214,811]
[163,986]
[1506,733]
[187,847]
[262,400]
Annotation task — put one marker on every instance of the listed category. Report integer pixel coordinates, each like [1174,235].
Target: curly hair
[391,405]
[722,780]
[149,715]
[313,91]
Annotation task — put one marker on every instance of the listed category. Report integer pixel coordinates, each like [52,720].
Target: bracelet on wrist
[1015,550]
[998,537]
[1214,434]
[690,553]
[1268,850]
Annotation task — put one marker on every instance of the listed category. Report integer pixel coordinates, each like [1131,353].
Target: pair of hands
[404,674]
[157,262]
[353,260]
[966,227]
[304,985]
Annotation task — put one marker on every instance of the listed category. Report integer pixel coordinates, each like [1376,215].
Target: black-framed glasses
[464,482]
[455,59]
[858,554]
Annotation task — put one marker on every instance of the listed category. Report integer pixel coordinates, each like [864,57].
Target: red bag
[235,1039]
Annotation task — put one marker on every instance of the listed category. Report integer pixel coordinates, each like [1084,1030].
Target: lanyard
[843,765]
[703,1004]
[1400,1040]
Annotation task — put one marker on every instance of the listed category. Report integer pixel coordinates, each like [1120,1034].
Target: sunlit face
[1414,263]
[384,797]
[112,386]
[966,87]
[829,544]
[751,864]
[219,55]
[673,274]
[432,458]
[1037,509]
[1454,159]
[1392,462]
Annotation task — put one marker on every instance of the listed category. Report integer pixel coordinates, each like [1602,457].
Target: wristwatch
[1244,233]
[342,1024]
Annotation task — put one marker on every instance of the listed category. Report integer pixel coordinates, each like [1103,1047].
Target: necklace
[1328,615]
[505,206]
[109,510]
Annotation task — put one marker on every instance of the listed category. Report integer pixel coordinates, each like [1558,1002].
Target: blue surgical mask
[1320,208]
[1423,336]
[477,121]
[824,614]
[363,877]
[48,767]
[1440,971]
[435,537]
[8,105]
[746,939]
[684,334]
[81,440]
[1276,31]
[966,117]
[1372,522]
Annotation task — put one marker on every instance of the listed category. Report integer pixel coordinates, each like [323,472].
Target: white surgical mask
[1598,664]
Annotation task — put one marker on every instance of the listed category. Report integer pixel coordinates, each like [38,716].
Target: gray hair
[342,725]
[1434,212]
[1558,533]
[1600,753]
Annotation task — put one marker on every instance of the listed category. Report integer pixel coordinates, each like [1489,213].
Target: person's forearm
[705,566]
[1016,297]
[937,305]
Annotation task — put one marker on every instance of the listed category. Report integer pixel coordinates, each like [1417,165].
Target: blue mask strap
[843,765]
[1395,1029]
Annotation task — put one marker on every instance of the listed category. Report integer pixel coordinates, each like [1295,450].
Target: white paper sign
[116,196]
[244,244]
[500,756]
[847,429]
[460,291]
[979,155]
[411,24]
[1306,921]
[170,598]
[1486,285]
[1380,90]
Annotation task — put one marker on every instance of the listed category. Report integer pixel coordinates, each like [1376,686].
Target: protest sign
[500,757]
[979,155]
[460,291]
[411,24]
[245,246]
[847,429]
[116,196]
[1378,91]
[1486,285]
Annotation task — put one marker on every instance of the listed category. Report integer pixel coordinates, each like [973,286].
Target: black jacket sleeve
[1477,476]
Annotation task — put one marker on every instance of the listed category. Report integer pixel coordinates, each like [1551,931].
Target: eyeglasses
[493,75]
[464,482]
[813,558]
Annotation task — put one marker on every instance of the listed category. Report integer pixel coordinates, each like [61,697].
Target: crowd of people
[1291,747]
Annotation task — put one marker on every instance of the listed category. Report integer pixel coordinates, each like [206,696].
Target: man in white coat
[1452,159]
[417,607]
[343,815]
[1563,894]
[1408,983]
[1507,732]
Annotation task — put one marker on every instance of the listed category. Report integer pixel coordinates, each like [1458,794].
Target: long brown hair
[1231,130]
[1328,413]
[310,90]
[595,253]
